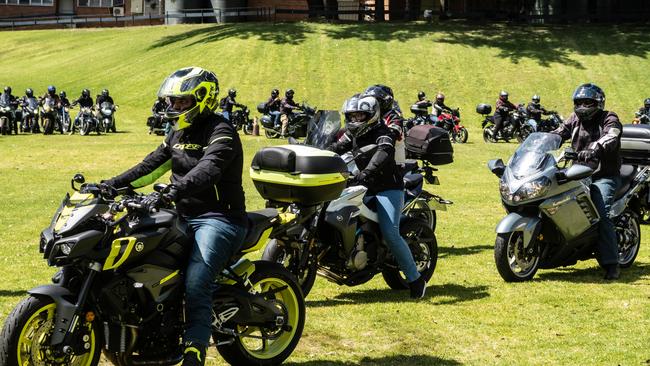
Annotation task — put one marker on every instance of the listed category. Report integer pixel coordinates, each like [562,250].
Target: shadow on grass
[637,272]
[410,360]
[453,251]
[447,294]
[546,45]
[12,293]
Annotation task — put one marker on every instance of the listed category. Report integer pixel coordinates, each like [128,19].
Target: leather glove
[587,155]
[170,193]
[362,178]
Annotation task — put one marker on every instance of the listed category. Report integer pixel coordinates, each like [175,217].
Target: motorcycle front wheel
[514,262]
[84,129]
[424,248]
[248,128]
[461,136]
[264,345]
[277,253]
[26,335]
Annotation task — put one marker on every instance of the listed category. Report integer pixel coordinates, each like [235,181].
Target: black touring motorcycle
[298,122]
[121,291]
[317,225]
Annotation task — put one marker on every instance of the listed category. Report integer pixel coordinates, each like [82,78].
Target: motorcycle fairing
[529,225]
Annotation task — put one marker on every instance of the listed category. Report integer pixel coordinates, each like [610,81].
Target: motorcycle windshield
[32,103]
[534,154]
[323,129]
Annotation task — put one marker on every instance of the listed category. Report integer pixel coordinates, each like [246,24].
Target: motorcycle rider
[273,106]
[84,101]
[228,102]
[422,101]
[64,103]
[381,175]
[644,112]
[535,110]
[29,95]
[595,134]
[101,98]
[287,107]
[160,106]
[9,100]
[391,116]
[439,107]
[205,155]
[502,111]
[51,93]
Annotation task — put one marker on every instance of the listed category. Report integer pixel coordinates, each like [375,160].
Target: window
[27,2]
[93,3]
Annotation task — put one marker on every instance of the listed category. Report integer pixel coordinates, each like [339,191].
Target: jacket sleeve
[148,171]
[565,130]
[385,154]
[343,145]
[218,154]
[608,143]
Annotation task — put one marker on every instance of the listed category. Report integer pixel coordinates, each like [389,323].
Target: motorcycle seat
[258,222]
[627,174]
[412,181]
[410,165]
[636,132]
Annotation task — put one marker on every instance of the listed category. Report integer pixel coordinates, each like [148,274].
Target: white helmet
[361,114]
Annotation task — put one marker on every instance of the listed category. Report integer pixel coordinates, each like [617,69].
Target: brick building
[61,8]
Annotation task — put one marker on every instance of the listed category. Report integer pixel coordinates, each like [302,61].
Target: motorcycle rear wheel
[249,351]
[424,248]
[487,137]
[514,262]
[271,134]
[627,252]
[25,338]
[274,252]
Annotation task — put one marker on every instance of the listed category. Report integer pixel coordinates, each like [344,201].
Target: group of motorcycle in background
[50,113]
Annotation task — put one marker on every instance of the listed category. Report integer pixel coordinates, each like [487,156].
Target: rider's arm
[148,171]
[565,130]
[385,154]
[343,145]
[221,150]
[608,143]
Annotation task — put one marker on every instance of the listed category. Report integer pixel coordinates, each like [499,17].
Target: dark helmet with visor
[383,94]
[421,95]
[588,100]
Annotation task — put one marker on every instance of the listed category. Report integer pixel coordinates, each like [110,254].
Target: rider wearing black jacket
[439,107]
[596,135]
[85,100]
[104,97]
[287,106]
[9,100]
[502,111]
[205,156]
[535,109]
[644,112]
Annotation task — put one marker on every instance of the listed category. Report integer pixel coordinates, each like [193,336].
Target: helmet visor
[181,82]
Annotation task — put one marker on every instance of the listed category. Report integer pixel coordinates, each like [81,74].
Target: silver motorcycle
[551,220]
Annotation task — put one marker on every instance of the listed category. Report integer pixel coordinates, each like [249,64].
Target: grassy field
[470,316]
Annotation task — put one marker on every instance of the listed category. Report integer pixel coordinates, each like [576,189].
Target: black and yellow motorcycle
[120,290]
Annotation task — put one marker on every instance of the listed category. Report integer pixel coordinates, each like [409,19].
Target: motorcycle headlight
[66,247]
[527,191]
[106,111]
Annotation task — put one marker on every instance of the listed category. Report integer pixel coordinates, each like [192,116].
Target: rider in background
[596,135]
[160,106]
[9,100]
[439,107]
[205,156]
[287,107]
[422,101]
[29,95]
[644,112]
[84,101]
[381,175]
[535,109]
[502,112]
[273,106]
[228,102]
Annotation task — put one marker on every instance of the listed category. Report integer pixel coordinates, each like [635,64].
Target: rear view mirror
[497,167]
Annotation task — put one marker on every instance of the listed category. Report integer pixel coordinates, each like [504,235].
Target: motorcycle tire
[113,128]
[276,253]
[487,136]
[84,129]
[424,248]
[509,257]
[524,132]
[248,351]
[271,134]
[627,253]
[248,129]
[461,136]
[27,332]
[47,127]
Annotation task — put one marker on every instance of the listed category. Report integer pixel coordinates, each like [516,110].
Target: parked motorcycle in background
[30,116]
[7,119]
[421,117]
[552,221]
[106,117]
[513,126]
[158,124]
[48,115]
[64,119]
[240,118]
[450,122]
[87,122]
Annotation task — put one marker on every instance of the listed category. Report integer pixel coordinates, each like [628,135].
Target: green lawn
[470,316]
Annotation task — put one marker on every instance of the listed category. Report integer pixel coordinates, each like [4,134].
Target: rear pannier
[429,143]
[635,144]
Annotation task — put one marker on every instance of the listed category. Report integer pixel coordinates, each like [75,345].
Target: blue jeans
[275,117]
[602,194]
[215,242]
[226,115]
[389,210]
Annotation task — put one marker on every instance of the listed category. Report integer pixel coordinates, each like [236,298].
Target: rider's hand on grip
[170,193]
[587,155]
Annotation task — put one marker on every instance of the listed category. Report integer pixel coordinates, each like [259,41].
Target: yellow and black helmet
[199,84]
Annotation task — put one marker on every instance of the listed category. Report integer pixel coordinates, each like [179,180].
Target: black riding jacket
[227,103]
[273,104]
[83,102]
[65,102]
[206,160]
[602,134]
[8,100]
[288,105]
[504,108]
[439,108]
[380,169]
[535,111]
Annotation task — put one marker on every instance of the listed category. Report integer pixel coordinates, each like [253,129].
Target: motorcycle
[320,226]
[48,115]
[641,118]
[30,116]
[64,119]
[121,290]
[107,117]
[241,120]
[551,220]
[450,121]
[86,122]
[422,117]
[297,126]
[547,124]
[7,119]
[515,126]
[157,124]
